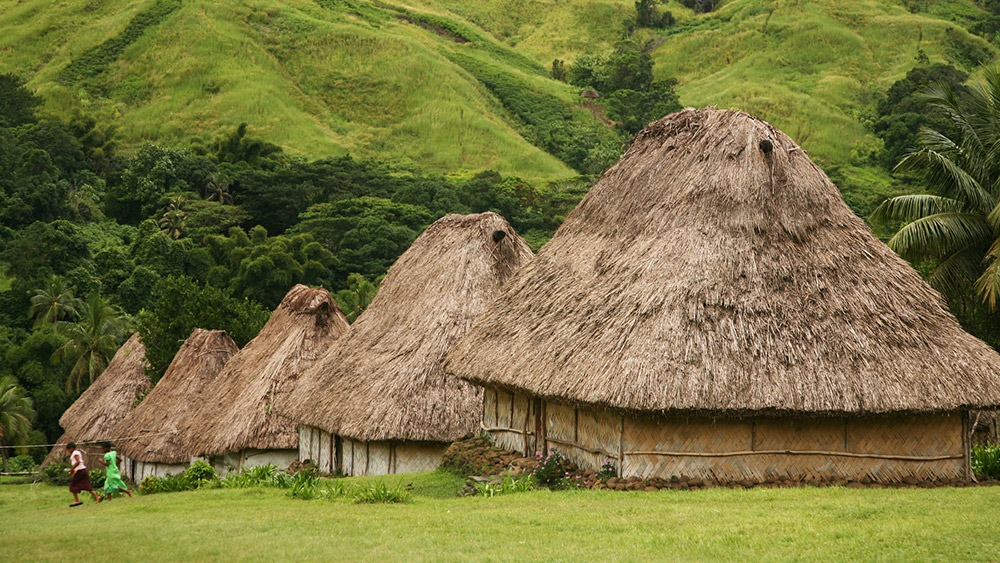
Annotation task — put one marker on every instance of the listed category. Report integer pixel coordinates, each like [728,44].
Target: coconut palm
[218,190]
[54,302]
[92,341]
[958,227]
[16,415]
[355,299]
[174,220]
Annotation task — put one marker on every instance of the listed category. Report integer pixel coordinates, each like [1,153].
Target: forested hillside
[166,164]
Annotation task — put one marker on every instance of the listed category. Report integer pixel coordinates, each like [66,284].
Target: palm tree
[958,228]
[218,189]
[174,220]
[354,300]
[16,415]
[92,341]
[54,303]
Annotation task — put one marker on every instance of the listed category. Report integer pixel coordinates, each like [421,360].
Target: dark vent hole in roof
[498,236]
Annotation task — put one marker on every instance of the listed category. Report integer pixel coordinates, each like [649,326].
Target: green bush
[168,484]
[97,478]
[200,471]
[986,460]
[381,493]
[552,470]
[507,486]
[21,463]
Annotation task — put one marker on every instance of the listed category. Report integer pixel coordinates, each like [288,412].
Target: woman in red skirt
[80,477]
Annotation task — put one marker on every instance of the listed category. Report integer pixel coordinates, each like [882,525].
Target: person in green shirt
[113,481]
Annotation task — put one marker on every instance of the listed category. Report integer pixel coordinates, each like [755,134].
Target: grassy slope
[318,79]
[721,524]
[808,66]
[345,75]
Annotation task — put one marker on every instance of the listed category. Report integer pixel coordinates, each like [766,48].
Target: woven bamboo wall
[880,448]
[509,418]
[319,447]
[387,458]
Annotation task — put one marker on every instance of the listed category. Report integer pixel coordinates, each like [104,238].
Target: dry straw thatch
[237,409]
[384,380]
[97,412]
[715,268]
[159,419]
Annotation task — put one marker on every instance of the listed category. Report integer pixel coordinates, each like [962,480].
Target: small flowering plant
[607,471]
[552,470]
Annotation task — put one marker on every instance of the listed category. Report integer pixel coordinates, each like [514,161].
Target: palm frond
[912,207]
[941,235]
[955,271]
[940,170]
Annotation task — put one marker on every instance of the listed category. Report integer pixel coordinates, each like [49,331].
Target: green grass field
[719,524]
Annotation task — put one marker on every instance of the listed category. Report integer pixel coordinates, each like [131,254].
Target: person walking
[79,476]
[113,481]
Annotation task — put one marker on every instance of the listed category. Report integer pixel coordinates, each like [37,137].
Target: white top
[76,460]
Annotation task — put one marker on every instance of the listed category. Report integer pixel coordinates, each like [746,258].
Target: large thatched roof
[96,413]
[705,272]
[105,403]
[159,419]
[237,410]
[384,380]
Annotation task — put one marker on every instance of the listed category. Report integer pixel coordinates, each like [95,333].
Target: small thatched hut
[96,413]
[157,445]
[236,426]
[712,309]
[378,402]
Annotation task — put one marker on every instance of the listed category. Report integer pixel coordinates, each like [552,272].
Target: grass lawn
[805,523]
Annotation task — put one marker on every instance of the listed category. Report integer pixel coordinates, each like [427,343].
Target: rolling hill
[452,85]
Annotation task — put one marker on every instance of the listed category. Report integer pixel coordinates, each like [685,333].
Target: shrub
[986,460]
[57,474]
[552,470]
[168,484]
[21,464]
[97,478]
[380,493]
[607,471]
[508,485]
[200,471]
[304,485]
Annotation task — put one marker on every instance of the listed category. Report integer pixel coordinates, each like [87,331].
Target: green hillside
[320,78]
[417,85]
[808,66]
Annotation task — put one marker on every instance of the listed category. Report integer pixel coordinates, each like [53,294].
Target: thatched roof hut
[96,413]
[716,271]
[383,382]
[158,421]
[236,413]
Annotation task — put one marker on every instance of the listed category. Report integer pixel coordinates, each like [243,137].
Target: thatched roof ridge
[237,411]
[96,413]
[384,380]
[716,268]
[156,425]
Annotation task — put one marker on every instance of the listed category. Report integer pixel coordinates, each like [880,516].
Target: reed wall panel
[409,457]
[827,434]
[509,440]
[880,448]
[305,442]
[560,422]
[324,459]
[379,457]
[504,408]
[490,407]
